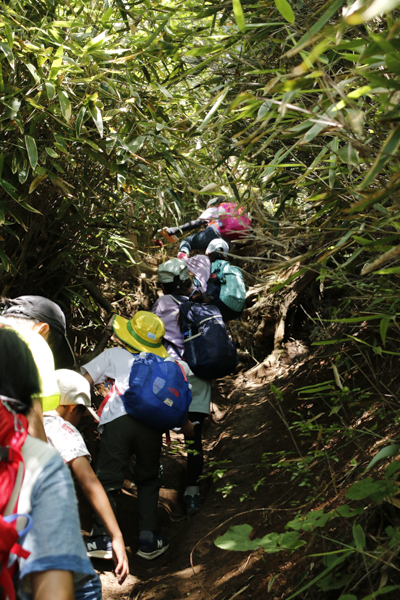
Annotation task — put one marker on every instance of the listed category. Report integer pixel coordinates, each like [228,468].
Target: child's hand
[120,559]
[187,429]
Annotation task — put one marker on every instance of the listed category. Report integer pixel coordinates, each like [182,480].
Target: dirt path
[266,460]
[238,488]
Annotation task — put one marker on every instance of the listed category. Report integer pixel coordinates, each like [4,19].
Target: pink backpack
[234,222]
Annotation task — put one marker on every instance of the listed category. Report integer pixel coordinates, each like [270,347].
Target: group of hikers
[158,377]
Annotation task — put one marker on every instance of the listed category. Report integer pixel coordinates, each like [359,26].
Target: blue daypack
[158,393]
[233,290]
[209,351]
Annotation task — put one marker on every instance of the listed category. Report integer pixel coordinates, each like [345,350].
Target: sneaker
[191,504]
[156,547]
[99,546]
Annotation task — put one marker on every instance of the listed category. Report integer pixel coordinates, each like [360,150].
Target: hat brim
[64,357]
[120,327]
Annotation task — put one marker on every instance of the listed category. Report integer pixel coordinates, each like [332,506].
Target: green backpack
[233,289]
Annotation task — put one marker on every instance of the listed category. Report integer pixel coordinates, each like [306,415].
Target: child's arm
[97,497]
[52,585]
[88,377]
[185,227]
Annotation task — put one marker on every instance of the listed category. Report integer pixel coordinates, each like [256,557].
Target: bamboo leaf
[239,16]
[359,537]
[36,182]
[32,151]
[386,452]
[52,153]
[65,105]
[285,9]
[8,52]
[23,172]
[387,151]
[380,592]
[10,189]
[50,89]
[384,327]
[97,118]
[29,207]
[214,109]
[79,121]
[56,64]
[316,28]
[5,260]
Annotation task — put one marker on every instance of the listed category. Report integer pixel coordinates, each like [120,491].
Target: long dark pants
[120,439]
[195,459]
[199,240]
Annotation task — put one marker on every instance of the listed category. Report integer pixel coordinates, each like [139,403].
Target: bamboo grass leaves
[158,101]
[286,10]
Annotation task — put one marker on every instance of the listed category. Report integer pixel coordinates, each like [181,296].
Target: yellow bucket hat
[144,332]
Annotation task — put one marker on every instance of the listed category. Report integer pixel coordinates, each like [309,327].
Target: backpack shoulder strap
[176,299]
[179,299]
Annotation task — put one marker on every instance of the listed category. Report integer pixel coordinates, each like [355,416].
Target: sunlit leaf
[285,9]
[32,151]
[239,16]
[50,89]
[56,64]
[97,117]
[65,105]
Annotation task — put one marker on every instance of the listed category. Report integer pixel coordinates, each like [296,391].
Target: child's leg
[114,452]
[195,450]
[147,448]
[199,240]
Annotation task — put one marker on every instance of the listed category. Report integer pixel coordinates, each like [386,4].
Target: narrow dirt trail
[244,425]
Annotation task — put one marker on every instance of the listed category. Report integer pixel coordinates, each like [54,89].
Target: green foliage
[237,538]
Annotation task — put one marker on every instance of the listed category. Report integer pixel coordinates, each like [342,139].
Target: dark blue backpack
[158,393]
[209,351]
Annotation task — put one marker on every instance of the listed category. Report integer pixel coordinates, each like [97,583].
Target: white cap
[217,245]
[74,389]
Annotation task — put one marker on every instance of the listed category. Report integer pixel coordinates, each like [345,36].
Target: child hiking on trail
[55,565]
[123,435]
[225,220]
[225,288]
[62,433]
[42,325]
[174,278]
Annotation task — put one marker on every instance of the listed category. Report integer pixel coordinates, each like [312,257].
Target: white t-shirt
[113,363]
[65,437]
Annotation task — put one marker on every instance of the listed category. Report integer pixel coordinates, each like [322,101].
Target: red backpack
[13,432]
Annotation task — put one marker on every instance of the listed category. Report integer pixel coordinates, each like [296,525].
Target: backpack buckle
[7,454]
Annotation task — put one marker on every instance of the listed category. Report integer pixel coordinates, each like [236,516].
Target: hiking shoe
[99,546]
[156,547]
[191,504]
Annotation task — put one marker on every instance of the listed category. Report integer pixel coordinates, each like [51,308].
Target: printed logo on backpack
[158,393]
